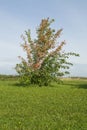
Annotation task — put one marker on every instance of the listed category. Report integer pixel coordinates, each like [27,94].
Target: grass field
[58,107]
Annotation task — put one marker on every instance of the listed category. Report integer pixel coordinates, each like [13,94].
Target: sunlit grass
[57,107]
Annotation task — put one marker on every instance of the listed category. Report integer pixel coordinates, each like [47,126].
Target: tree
[45,60]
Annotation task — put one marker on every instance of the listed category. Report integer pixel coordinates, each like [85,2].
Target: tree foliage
[45,61]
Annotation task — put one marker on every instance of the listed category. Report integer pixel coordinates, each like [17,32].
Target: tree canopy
[46,61]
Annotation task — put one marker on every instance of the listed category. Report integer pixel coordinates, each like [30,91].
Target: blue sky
[16,16]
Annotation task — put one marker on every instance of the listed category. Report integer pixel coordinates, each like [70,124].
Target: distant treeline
[78,77]
[14,77]
[8,77]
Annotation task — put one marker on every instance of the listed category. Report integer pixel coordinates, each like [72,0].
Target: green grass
[58,107]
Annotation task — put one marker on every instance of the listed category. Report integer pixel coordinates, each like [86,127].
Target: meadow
[57,107]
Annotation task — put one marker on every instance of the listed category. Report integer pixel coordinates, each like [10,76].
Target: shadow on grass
[82,85]
[17,84]
[53,84]
[21,85]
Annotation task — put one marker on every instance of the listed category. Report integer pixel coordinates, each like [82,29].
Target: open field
[57,107]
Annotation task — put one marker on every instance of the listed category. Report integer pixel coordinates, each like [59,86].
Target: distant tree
[45,60]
